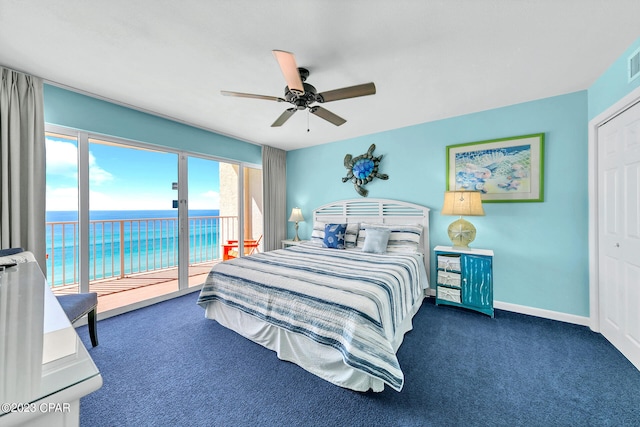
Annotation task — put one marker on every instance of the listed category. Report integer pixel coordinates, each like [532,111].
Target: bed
[339,312]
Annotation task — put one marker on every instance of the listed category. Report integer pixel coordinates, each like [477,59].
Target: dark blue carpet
[166,365]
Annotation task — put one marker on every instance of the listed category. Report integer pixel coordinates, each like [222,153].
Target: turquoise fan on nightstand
[363,169]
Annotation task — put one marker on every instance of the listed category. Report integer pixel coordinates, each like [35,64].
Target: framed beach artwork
[503,170]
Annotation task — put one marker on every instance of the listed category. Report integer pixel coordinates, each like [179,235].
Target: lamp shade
[296,215]
[463,203]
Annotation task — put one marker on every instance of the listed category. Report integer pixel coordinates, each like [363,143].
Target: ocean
[140,240]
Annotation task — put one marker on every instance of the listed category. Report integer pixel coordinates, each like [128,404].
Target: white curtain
[274,181]
[22,163]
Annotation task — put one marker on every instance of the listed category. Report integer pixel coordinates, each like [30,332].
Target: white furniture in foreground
[44,366]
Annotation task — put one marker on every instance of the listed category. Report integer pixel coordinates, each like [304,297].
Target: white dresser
[44,367]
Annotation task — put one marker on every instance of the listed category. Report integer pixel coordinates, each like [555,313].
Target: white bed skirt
[322,361]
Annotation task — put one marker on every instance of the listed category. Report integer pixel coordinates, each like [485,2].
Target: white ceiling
[429,59]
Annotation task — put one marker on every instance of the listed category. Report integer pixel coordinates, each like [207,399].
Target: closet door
[619,231]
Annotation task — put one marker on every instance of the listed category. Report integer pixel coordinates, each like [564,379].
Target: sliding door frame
[83,138]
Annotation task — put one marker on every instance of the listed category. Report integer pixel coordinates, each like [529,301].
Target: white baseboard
[532,311]
[539,312]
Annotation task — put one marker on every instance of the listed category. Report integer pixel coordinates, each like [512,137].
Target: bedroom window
[133,221]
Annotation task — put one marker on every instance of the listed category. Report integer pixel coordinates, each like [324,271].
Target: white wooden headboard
[380,211]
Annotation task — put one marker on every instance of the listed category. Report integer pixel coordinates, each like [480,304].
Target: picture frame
[503,170]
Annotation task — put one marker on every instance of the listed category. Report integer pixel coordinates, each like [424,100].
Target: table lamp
[463,203]
[296,216]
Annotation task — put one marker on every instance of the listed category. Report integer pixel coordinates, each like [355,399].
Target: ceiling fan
[302,95]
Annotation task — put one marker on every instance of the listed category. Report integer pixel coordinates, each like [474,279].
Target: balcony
[132,260]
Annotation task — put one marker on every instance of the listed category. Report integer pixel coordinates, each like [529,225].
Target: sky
[126,178]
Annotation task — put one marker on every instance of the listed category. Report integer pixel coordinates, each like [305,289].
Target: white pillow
[405,238]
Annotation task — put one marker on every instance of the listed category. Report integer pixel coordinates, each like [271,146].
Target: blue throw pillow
[376,240]
[334,236]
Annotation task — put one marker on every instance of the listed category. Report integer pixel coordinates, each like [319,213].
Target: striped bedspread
[349,300]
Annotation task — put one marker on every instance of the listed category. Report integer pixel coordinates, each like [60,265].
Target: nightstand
[465,278]
[290,242]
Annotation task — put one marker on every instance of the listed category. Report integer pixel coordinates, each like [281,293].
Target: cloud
[66,199]
[62,199]
[97,175]
[62,160]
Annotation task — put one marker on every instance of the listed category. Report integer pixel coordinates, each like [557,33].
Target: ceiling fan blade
[284,117]
[347,92]
[287,62]
[327,115]
[250,95]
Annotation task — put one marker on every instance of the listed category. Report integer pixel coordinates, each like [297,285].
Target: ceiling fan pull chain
[307,120]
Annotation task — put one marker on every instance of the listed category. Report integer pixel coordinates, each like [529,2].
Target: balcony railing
[127,246]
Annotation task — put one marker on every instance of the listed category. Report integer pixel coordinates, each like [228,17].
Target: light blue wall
[613,84]
[541,249]
[66,108]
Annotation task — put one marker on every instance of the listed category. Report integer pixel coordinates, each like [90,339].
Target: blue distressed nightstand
[465,278]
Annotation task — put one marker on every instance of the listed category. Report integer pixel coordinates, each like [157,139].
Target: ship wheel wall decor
[363,169]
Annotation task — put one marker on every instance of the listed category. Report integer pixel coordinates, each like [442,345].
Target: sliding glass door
[241,199]
[253,218]
[213,222]
[133,221]
[133,224]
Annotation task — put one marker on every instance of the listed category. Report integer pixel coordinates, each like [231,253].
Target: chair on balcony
[75,306]
[230,250]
